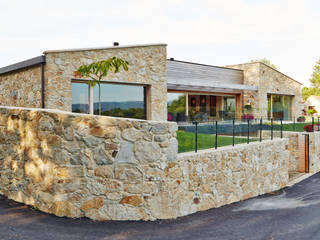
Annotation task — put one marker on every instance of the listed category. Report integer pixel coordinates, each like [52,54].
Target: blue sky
[212,32]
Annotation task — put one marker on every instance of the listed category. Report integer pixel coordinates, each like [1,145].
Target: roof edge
[255,62]
[201,64]
[103,48]
[24,64]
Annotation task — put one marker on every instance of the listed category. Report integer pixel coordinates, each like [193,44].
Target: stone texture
[21,88]
[71,177]
[81,171]
[147,65]
[125,154]
[268,80]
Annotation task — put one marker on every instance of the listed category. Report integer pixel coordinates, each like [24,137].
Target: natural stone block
[128,172]
[159,128]
[147,152]
[64,208]
[94,203]
[172,150]
[131,134]
[101,156]
[125,154]
[104,171]
[133,200]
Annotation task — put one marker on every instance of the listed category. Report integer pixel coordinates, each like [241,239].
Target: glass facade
[279,107]
[118,100]
[176,103]
[200,107]
[80,98]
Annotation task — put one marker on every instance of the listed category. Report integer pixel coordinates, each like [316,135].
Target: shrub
[308,128]
[247,107]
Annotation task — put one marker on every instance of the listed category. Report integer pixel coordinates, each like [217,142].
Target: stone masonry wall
[297,151]
[268,80]
[147,65]
[214,178]
[21,88]
[108,168]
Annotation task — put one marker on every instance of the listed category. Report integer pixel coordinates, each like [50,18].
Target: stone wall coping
[104,48]
[80,114]
[226,148]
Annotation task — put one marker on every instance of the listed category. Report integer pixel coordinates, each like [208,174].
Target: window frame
[146,94]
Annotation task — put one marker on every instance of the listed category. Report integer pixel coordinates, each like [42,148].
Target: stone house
[154,88]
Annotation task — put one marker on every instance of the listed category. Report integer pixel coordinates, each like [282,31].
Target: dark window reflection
[80,98]
[120,101]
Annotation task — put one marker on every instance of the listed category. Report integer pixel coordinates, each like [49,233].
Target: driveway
[292,213]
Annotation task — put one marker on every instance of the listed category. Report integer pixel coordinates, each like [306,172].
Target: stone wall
[214,178]
[81,165]
[106,168]
[21,88]
[297,148]
[147,65]
[268,81]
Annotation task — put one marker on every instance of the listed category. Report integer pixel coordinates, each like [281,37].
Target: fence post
[294,123]
[312,124]
[271,129]
[248,131]
[196,136]
[318,125]
[216,142]
[281,128]
[233,132]
[260,129]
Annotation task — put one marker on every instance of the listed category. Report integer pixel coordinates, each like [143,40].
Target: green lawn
[298,126]
[186,141]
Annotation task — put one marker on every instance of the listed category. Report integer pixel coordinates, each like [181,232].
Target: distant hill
[109,105]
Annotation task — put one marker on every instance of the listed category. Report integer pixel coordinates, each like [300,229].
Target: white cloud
[214,32]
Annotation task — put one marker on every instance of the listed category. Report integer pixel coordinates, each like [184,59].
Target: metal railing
[205,135]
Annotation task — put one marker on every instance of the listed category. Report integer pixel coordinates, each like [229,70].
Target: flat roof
[24,64]
[201,64]
[103,48]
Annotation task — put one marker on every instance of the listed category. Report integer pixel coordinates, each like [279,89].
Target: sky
[216,32]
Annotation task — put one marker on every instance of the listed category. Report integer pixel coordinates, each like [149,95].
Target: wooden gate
[304,153]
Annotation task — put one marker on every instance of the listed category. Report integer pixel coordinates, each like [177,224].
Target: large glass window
[279,107]
[176,103]
[80,98]
[119,100]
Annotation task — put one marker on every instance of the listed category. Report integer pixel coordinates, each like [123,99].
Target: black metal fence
[204,135]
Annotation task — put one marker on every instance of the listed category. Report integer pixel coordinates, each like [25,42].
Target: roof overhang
[214,87]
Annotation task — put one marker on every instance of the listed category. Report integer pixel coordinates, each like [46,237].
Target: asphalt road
[292,213]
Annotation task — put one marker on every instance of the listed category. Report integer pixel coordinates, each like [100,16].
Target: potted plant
[301,119]
[247,107]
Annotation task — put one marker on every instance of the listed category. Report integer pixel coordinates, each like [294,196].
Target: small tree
[98,70]
[314,89]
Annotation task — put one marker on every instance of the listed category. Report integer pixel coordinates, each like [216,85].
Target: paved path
[293,213]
